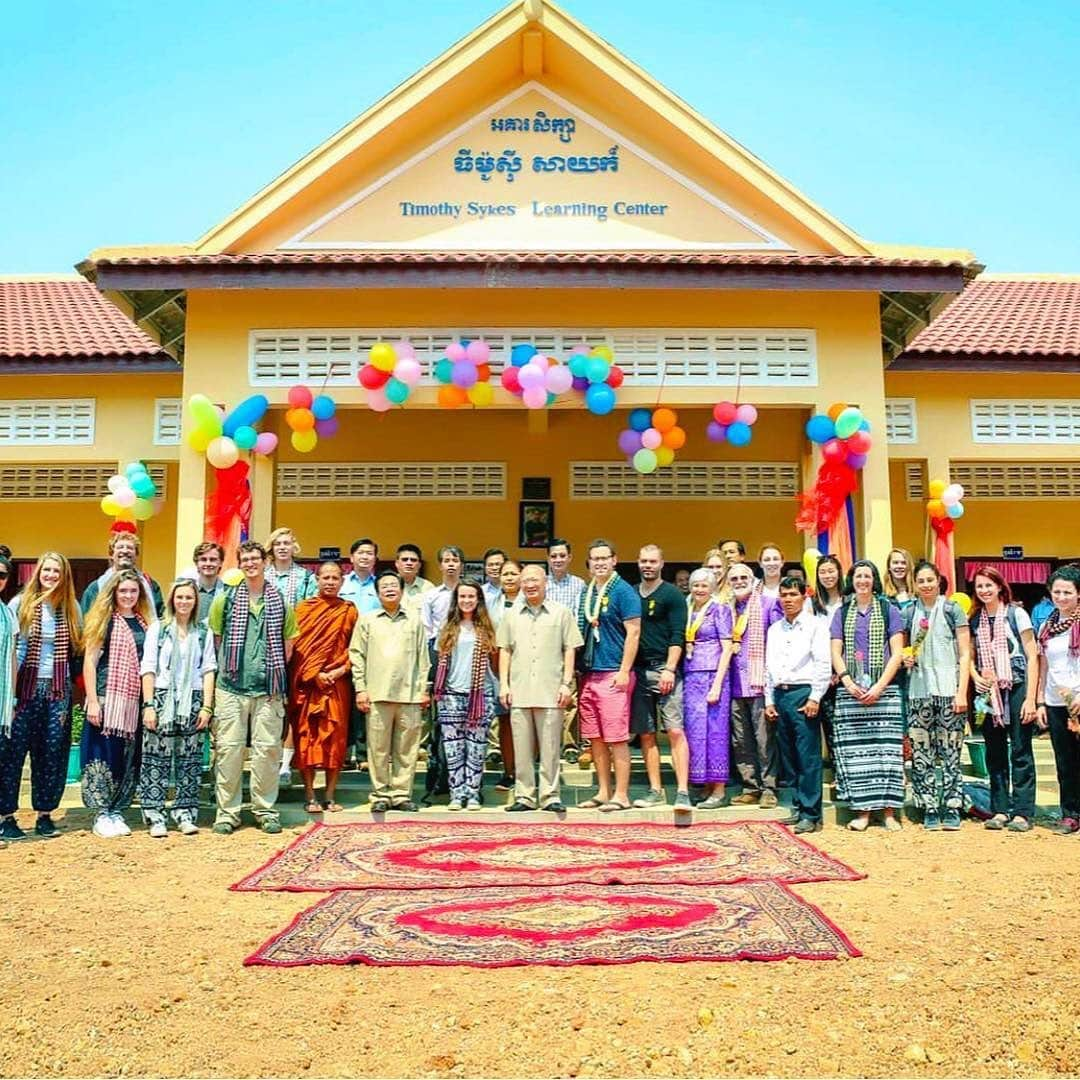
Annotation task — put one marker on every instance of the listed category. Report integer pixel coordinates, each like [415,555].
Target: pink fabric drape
[1015,573]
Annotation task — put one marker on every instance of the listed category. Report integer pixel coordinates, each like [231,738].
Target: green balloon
[645,460]
[847,423]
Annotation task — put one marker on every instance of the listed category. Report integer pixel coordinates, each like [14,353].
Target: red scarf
[123,684]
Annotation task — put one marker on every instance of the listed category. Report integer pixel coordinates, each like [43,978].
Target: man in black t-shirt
[658,687]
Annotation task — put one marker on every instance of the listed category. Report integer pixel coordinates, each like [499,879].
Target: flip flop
[592,804]
[313,807]
[332,807]
[611,806]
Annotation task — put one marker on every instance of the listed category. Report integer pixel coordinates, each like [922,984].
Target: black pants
[799,737]
[1008,749]
[1067,760]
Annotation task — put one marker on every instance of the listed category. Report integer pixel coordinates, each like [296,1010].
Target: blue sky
[913,122]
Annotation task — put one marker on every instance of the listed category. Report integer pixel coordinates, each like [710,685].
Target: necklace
[697,618]
[594,603]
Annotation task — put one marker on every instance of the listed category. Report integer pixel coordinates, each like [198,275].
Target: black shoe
[379,806]
[406,807]
[518,807]
[10,830]
[46,827]
[555,807]
[504,783]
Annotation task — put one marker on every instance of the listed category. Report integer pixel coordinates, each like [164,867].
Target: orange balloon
[664,419]
[302,420]
[675,439]
[483,373]
[452,397]
[836,408]
[936,508]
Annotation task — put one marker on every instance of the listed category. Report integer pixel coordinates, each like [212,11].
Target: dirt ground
[123,958]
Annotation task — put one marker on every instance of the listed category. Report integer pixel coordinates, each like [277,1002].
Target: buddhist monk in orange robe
[322,685]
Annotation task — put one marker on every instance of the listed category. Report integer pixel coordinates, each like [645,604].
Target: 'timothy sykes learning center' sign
[534,173]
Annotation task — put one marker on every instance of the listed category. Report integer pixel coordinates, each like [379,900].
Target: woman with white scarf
[178,666]
[938,659]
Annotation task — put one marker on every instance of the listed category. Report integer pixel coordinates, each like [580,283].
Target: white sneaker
[456,804]
[188,828]
[285,778]
[120,826]
[103,826]
[158,830]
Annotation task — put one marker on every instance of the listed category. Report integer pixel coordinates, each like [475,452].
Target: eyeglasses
[3,573]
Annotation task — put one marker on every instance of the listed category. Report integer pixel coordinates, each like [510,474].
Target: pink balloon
[125,498]
[455,352]
[580,350]
[535,397]
[531,376]
[266,443]
[408,371]
[651,438]
[378,401]
[405,350]
[559,379]
[479,352]
[834,450]
[861,442]
[746,414]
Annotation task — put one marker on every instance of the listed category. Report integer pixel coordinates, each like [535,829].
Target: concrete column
[876,497]
[263,496]
[190,505]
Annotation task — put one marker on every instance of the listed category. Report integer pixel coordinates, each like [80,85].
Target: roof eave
[1002,363]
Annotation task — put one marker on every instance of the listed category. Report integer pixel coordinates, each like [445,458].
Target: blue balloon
[596,370]
[955,511]
[739,434]
[579,366]
[323,407]
[444,370]
[520,355]
[820,429]
[247,414]
[640,419]
[865,425]
[396,391]
[245,438]
[600,399]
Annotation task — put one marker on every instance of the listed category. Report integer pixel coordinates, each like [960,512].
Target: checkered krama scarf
[123,684]
[875,661]
[480,663]
[755,640]
[992,655]
[61,672]
[237,609]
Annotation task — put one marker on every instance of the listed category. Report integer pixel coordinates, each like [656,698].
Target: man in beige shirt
[390,665]
[537,642]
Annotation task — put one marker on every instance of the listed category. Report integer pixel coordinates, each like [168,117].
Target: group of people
[761,677]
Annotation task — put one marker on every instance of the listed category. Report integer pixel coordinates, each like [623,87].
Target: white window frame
[45,416]
[397,481]
[685,481]
[895,408]
[1025,422]
[168,411]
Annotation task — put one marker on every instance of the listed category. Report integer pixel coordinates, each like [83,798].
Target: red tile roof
[1001,320]
[58,320]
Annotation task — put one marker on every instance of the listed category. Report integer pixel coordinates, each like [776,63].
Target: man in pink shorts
[610,622]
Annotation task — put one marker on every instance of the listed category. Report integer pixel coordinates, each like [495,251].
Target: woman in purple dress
[706,691]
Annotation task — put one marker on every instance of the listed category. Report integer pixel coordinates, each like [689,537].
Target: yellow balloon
[481,394]
[303,442]
[233,577]
[110,506]
[810,559]
[937,488]
[962,601]
[664,456]
[199,439]
[604,353]
[382,356]
[143,510]
[205,414]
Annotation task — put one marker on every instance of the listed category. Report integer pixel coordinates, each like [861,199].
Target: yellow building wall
[1048,528]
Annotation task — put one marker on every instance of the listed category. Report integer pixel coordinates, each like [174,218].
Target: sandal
[859,824]
[313,806]
[332,807]
[593,804]
[611,806]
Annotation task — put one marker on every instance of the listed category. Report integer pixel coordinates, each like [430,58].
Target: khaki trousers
[393,743]
[233,715]
[530,728]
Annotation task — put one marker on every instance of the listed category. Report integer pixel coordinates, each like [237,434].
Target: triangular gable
[335,189]
[533,172]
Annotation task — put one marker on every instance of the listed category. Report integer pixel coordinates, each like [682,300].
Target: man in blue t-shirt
[610,622]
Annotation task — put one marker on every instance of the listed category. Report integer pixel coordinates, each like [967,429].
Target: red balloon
[724,412]
[483,372]
[860,442]
[834,450]
[615,377]
[510,380]
[300,397]
[371,378]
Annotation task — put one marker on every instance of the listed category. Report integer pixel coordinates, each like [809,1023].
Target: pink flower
[924,624]
[860,656]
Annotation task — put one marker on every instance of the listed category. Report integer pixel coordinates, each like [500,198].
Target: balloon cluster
[537,379]
[464,375]
[389,375]
[731,423]
[131,494]
[222,436]
[843,434]
[945,501]
[651,439]
[596,374]
[310,418]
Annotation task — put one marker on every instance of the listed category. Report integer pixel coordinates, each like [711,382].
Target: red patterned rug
[453,855]
[615,924]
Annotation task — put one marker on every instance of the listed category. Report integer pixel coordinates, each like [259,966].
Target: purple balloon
[325,428]
[464,374]
[581,383]
[716,432]
[629,441]
[857,461]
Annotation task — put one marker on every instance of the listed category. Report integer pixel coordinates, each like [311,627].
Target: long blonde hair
[909,576]
[99,617]
[61,597]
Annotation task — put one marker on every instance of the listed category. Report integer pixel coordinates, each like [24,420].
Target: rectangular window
[689,480]
[168,421]
[901,424]
[1012,480]
[431,480]
[1042,421]
[53,482]
[47,422]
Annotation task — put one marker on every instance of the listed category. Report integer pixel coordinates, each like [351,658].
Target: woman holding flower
[868,733]
[1004,670]
[937,659]
[1059,690]
[826,599]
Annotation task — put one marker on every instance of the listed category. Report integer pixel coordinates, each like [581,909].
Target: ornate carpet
[451,855]
[613,924]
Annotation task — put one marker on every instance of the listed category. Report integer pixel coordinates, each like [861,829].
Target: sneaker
[997,822]
[456,804]
[1065,827]
[223,828]
[682,802]
[473,804]
[715,802]
[10,830]
[271,825]
[1019,824]
[768,800]
[120,826]
[504,783]
[950,822]
[46,827]
[103,826]
[158,830]
[805,825]
[285,778]
[187,827]
[554,807]
[655,797]
[931,820]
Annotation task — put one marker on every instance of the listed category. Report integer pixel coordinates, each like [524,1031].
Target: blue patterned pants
[42,728]
[465,745]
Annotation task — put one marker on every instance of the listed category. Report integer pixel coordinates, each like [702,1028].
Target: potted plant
[78,719]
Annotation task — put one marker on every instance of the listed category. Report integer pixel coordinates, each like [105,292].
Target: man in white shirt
[493,564]
[359,584]
[435,605]
[797,669]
